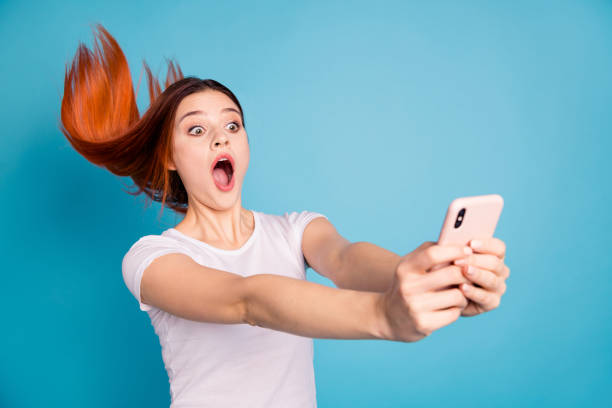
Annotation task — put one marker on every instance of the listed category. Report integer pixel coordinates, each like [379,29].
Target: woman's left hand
[489,273]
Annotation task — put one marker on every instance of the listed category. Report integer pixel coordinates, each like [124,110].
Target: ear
[171,165]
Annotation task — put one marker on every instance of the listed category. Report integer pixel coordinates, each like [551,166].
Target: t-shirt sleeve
[299,221]
[139,256]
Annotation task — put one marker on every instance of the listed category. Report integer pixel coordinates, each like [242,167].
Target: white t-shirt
[232,365]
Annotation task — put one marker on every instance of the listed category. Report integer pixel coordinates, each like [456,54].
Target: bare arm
[365,266]
[310,309]
[177,284]
[357,266]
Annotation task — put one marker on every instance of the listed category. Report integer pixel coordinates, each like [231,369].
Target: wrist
[380,324]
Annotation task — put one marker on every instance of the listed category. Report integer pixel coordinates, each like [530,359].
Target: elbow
[243,307]
[243,314]
[245,303]
[336,277]
[340,265]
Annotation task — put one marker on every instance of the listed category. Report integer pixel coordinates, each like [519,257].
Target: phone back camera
[459,219]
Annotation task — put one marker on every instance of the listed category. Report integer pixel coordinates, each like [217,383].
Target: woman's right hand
[420,300]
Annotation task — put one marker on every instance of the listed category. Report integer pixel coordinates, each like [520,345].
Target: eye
[198,130]
[236,125]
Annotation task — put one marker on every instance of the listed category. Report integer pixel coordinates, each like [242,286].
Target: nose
[220,140]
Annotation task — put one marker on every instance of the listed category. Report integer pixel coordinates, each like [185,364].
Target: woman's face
[207,125]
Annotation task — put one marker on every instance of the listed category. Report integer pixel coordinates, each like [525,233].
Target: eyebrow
[204,113]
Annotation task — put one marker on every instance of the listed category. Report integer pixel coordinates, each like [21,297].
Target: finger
[484,278]
[486,299]
[431,301]
[437,254]
[484,261]
[450,275]
[439,266]
[441,318]
[492,245]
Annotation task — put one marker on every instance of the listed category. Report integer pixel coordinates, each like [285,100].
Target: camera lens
[459,219]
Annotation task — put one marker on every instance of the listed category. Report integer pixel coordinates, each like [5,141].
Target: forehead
[209,101]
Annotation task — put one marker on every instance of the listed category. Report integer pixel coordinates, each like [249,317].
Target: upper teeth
[223,158]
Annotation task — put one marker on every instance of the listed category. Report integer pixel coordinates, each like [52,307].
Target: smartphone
[469,218]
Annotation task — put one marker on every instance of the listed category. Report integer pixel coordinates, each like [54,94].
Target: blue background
[375,115]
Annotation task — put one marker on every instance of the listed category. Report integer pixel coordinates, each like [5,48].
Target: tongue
[220,176]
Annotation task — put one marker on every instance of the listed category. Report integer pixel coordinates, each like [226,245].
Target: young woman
[225,289]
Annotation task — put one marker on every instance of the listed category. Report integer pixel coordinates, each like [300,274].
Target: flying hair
[100,118]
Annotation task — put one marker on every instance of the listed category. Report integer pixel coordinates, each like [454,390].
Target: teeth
[223,159]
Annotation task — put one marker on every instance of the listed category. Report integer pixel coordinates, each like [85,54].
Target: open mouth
[223,174]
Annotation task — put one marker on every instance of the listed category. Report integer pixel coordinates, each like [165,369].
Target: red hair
[99,117]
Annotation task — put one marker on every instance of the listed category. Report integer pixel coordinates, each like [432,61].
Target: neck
[226,229]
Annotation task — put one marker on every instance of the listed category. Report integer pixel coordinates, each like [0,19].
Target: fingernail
[467,250]
[476,244]
[460,261]
[470,270]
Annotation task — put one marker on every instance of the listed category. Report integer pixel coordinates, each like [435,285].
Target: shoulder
[151,242]
[149,247]
[140,255]
[290,221]
[300,217]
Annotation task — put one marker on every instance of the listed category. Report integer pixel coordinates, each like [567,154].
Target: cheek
[245,160]
[191,163]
